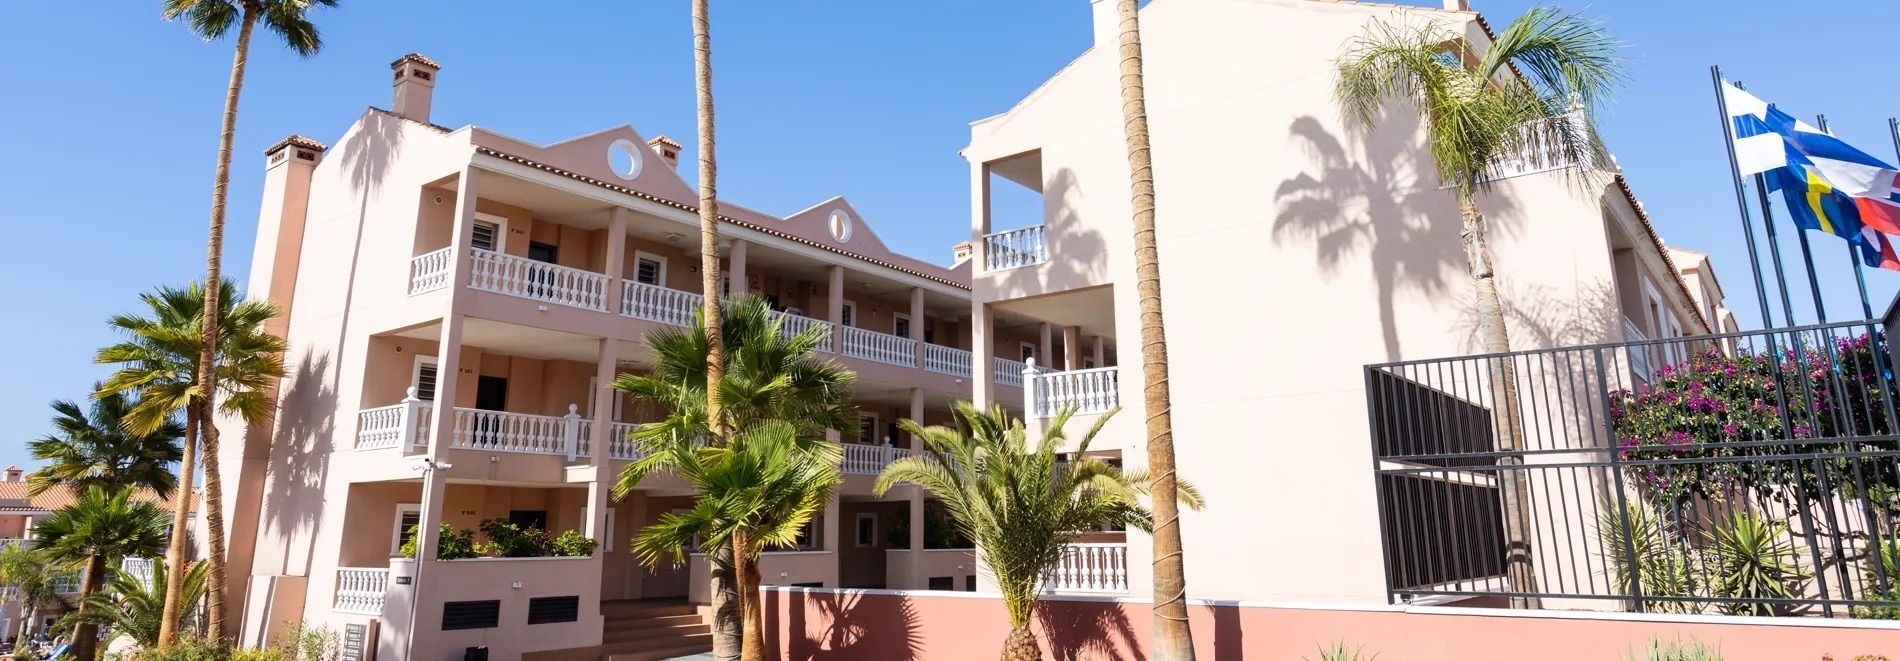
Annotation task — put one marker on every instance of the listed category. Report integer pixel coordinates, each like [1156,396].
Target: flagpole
[1774,241]
[1741,196]
[1853,256]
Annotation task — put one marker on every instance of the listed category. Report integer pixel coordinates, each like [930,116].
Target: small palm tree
[134,604]
[93,447]
[1019,502]
[1553,67]
[769,374]
[33,580]
[755,493]
[97,532]
[158,361]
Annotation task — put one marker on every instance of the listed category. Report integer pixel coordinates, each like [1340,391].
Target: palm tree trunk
[168,624]
[1021,645]
[726,624]
[1494,338]
[207,375]
[86,635]
[1172,639]
[747,567]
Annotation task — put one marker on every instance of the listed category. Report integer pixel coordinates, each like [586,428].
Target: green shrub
[451,544]
[1665,565]
[574,544]
[1752,558]
[1337,651]
[1674,650]
[300,642]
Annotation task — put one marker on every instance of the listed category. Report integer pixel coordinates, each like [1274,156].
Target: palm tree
[1019,503]
[134,604]
[1560,66]
[1173,641]
[725,637]
[33,580]
[95,448]
[769,374]
[755,493]
[98,531]
[158,361]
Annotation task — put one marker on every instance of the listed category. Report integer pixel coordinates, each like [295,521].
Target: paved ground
[695,657]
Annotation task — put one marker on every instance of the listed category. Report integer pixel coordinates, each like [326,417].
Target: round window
[624,158]
[840,224]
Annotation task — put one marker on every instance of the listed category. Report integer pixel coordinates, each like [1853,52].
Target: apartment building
[457,302]
[20,512]
[1296,248]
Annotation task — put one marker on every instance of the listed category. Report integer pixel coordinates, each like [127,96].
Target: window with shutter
[408,516]
[424,378]
[646,272]
[900,326]
[487,236]
[867,428]
[850,314]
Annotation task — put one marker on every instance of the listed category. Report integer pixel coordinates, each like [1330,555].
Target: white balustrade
[880,347]
[66,585]
[947,360]
[1639,354]
[621,445]
[653,303]
[1542,149]
[1008,372]
[360,590]
[496,431]
[794,324]
[861,459]
[429,272]
[1089,568]
[1089,391]
[541,281]
[139,568]
[1015,248]
[380,427]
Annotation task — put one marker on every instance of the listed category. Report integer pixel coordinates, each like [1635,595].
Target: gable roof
[14,498]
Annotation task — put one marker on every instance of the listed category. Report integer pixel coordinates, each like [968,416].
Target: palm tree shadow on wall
[1381,207]
[1086,630]
[1077,252]
[853,628]
[301,452]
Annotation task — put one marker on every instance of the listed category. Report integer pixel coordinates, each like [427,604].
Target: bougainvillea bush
[1727,423]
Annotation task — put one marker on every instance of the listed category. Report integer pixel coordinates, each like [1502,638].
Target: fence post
[571,431]
[1030,404]
[1615,447]
[411,414]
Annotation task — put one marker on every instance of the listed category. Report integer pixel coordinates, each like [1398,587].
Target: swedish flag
[1815,204]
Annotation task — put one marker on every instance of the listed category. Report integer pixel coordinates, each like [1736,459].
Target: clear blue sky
[109,118]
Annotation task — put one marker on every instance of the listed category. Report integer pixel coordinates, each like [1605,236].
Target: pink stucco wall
[809,625]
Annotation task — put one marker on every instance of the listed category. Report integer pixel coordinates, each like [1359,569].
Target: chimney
[962,251]
[415,82]
[288,166]
[13,474]
[668,150]
[1108,24]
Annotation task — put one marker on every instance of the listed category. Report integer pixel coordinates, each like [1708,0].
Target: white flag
[1755,152]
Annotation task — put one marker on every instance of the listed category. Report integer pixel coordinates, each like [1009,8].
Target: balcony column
[602,437]
[1071,347]
[1101,357]
[916,580]
[917,322]
[982,355]
[441,434]
[979,216]
[835,314]
[461,238]
[617,260]
[1045,351]
[831,541]
[735,268]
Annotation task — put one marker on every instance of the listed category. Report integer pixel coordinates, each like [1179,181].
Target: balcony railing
[1556,476]
[429,272]
[381,427]
[794,324]
[861,459]
[1008,372]
[497,431]
[653,303]
[360,590]
[1541,151]
[139,568]
[880,347]
[1639,354]
[1089,568]
[1015,248]
[1089,391]
[947,360]
[541,281]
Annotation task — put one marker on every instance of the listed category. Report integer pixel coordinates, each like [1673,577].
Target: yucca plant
[1880,581]
[1674,650]
[1338,651]
[1640,544]
[1752,560]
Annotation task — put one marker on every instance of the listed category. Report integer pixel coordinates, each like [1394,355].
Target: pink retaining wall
[809,624]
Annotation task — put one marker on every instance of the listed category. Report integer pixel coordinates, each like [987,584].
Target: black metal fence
[1750,473]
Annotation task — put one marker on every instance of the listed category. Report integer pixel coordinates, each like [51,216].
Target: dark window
[900,327]
[930,335]
[945,583]
[646,271]
[525,519]
[969,583]
[543,253]
[808,585]
[549,610]
[1438,531]
[485,235]
[471,615]
[1412,420]
[425,381]
[491,393]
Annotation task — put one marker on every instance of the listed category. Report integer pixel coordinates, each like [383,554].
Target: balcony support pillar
[917,323]
[1046,346]
[597,502]
[982,355]
[735,269]
[979,216]
[916,580]
[462,239]
[441,424]
[835,302]
[1101,359]
[617,258]
[1071,347]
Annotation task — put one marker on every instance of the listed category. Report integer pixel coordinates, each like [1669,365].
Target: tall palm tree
[97,531]
[1172,639]
[725,633]
[34,582]
[134,604]
[158,360]
[769,374]
[1559,67]
[1019,502]
[756,492]
[93,447]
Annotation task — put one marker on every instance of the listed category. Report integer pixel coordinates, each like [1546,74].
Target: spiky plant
[1752,561]
[1663,564]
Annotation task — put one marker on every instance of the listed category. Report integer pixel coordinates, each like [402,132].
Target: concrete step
[630,634]
[634,609]
[657,650]
[643,621]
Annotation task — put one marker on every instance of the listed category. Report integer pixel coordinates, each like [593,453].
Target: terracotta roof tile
[296,141]
[417,58]
[14,498]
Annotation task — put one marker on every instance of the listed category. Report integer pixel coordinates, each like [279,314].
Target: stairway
[652,630]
